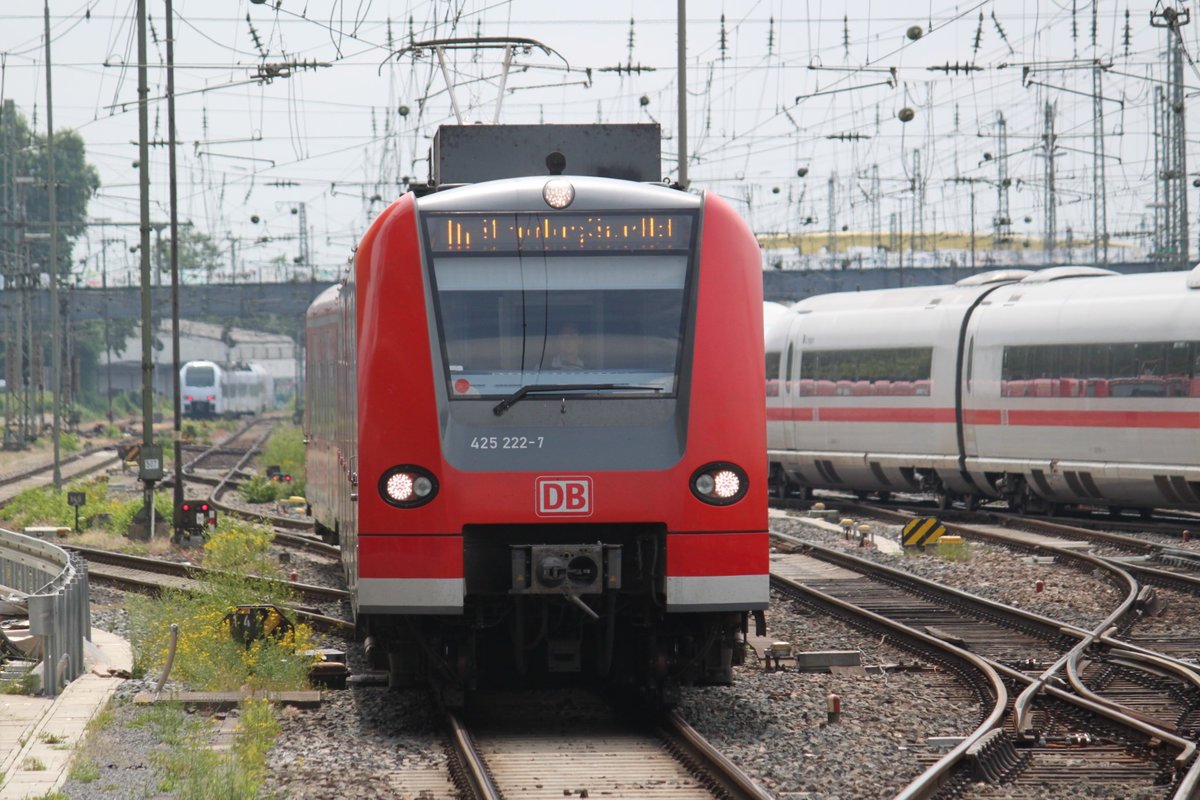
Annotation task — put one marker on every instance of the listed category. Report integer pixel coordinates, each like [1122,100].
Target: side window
[1042,361]
[791,353]
[773,365]
[1123,361]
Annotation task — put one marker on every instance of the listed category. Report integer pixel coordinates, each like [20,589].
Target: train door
[968,404]
[793,398]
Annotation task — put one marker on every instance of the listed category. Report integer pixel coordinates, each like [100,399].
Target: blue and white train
[210,390]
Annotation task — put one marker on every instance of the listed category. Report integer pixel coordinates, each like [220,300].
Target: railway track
[75,466]
[155,575]
[1150,564]
[570,744]
[1050,736]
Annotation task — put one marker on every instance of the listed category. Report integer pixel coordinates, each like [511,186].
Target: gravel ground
[360,742]
[996,573]
[774,724]
[370,740]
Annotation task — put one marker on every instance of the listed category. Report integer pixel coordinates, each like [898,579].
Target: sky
[775,88]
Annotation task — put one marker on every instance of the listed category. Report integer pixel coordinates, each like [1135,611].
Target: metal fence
[59,608]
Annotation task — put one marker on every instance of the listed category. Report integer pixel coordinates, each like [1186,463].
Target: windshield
[200,376]
[528,316]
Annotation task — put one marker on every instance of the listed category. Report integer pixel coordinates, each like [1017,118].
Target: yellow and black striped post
[922,531]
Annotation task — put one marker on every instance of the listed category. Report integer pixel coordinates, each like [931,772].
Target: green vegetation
[207,656]
[954,551]
[191,771]
[29,683]
[286,448]
[261,489]
[84,770]
[44,506]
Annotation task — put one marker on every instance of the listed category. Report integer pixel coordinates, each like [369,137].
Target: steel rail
[157,566]
[1048,627]
[1113,620]
[1187,748]
[934,776]
[729,778]
[46,467]
[473,769]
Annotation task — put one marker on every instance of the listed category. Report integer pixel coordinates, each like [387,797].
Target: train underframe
[951,487]
[558,606]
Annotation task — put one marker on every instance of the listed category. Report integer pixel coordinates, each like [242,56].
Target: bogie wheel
[780,485]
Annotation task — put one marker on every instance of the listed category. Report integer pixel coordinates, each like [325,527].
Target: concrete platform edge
[54,727]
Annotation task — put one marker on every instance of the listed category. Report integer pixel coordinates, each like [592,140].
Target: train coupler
[569,570]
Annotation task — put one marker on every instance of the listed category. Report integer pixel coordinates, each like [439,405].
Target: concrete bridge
[243,300]
[237,301]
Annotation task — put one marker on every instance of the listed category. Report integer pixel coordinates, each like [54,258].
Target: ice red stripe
[777,414]
[1055,418]
[862,414]
[1105,419]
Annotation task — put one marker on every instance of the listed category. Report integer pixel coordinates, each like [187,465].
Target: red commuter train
[536,425]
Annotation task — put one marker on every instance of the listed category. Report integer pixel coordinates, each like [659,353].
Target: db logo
[558,495]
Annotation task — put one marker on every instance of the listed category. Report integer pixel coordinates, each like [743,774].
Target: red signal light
[187,507]
[287,478]
[211,397]
[204,507]
[189,398]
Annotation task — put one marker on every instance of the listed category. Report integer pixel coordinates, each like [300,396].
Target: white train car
[1070,385]
[210,390]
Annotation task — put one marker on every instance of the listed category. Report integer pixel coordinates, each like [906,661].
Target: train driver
[568,340]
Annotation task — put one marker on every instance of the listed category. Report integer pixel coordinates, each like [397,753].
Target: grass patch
[286,448]
[28,684]
[191,771]
[68,442]
[261,489]
[207,656]
[45,506]
[954,551]
[242,548]
[84,770]
[33,764]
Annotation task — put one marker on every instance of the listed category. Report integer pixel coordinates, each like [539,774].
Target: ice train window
[1102,370]
[883,365]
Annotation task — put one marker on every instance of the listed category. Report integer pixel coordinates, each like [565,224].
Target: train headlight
[558,193]
[720,483]
[407,486]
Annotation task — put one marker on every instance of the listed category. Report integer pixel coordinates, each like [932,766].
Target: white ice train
[211,390]
[1070,385]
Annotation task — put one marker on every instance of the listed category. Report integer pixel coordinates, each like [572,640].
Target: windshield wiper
[554,388]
